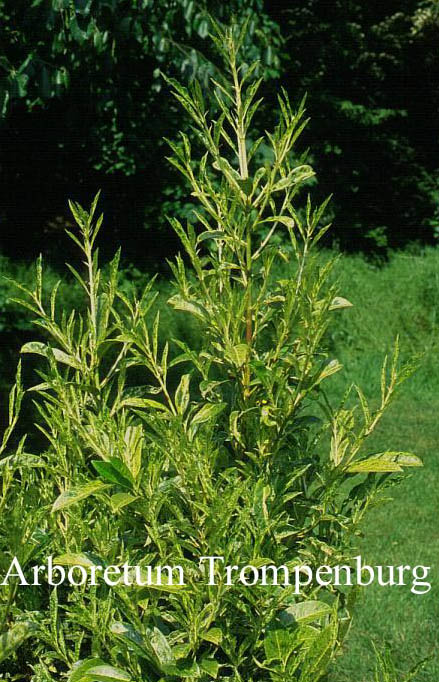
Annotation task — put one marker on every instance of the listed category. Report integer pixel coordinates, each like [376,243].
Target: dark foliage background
[371,71]
[84,107]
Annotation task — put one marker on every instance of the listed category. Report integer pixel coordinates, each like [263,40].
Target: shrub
[244,460]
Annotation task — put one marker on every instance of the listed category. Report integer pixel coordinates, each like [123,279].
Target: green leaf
[69,497]
[22,459]
[195,309]
[214,635]
[234,426]
[238,354]
[79,668]
[120,500]
[319,654]
[340,302]
[212,234]
[15,636]
[285,220]
[210,666]
[132,637]
[107,673]
[294,177]
[132,454]
[331,368]
[182,394]
[385,462]
[260,497]
[181,651]
[114,471]
[229,172]
[35,347]
[95,670]
[160,647]
[278,644]
[59,355]
[44,386]
[304,612]
[208,412]
[143,402]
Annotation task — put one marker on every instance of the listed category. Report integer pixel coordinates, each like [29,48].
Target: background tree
[371,72]
[83,107]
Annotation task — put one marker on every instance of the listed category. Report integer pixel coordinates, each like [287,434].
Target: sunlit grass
[402,295]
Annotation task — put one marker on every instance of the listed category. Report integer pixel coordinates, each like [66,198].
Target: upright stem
[243,170]
[242,151]
[92,297]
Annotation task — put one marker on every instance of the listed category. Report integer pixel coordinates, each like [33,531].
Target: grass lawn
[406,530]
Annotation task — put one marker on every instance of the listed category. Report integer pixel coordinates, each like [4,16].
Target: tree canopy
[371,71]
